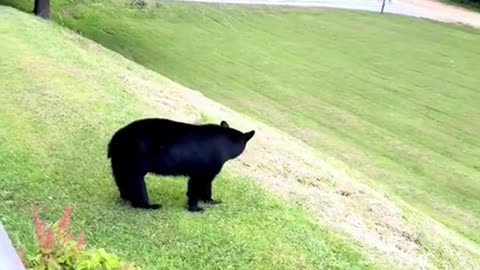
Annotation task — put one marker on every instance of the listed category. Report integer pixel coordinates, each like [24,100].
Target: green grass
[394,98]
[60,101]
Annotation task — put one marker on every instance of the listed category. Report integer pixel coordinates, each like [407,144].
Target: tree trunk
[42,8]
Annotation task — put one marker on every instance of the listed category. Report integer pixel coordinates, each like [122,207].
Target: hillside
[62,96]
[91,104]
[408,85]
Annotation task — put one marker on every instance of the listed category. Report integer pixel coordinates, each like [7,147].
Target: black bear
[170,148]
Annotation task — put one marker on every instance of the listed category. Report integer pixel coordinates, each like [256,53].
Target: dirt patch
[441,12]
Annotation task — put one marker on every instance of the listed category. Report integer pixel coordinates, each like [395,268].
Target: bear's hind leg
[119,175]
[122,187]
[139,195]
[194,192]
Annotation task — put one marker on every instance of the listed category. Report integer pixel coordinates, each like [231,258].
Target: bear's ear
[224,124]
[248,135]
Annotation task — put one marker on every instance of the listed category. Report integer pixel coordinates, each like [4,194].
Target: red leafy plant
[57,250]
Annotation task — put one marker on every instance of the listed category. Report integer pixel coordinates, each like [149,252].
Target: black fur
[170,148]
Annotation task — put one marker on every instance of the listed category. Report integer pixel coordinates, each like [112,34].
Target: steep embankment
[64,95]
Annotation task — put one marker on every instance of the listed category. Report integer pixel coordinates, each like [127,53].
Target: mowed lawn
[61,98]
[394,98]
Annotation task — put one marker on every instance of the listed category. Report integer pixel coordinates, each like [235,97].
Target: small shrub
[140,4]
[57,250]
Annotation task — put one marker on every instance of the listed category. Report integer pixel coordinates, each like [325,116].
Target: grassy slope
[396,98]
[61,98]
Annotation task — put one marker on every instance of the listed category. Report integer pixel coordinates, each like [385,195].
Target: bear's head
[239,139]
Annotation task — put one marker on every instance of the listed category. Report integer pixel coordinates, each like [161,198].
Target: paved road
[430,9]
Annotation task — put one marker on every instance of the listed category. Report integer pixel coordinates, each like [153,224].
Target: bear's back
[152,135]
[168,132]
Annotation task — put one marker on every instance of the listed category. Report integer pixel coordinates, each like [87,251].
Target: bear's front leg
[206,195]
[194,191]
